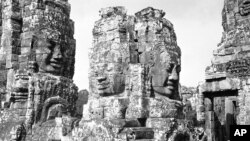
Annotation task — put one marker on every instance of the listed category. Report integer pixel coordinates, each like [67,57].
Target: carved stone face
[165,74]
[108,79]
[50,55]
[108,68]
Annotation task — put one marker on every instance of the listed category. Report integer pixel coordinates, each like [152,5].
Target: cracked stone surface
[134,91]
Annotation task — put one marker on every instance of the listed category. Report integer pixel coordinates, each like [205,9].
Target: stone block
[97,113]
[23,58]
[164,108]
[157,112]
[210,135]
[12,25]
[113,102]
[160,123]
[138,101]
[209,115]
[12,57]
[139,133]
[93,103]
[217,75]
[137,80]
[201,108]
[27,35]
[2,64]
[11,49]
[201,116]
[123,123]
[3,75]
[221,85]
[10,42]
[26,42]
[137,112]
[92,110]
[114,112]
[210,125]
[23,65]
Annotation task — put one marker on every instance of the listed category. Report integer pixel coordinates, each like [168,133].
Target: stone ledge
[228,84]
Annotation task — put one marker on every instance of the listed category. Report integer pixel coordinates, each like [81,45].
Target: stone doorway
[221,112]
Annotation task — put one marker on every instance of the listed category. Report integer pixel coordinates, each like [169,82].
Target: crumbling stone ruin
[133,77]
[37,65]
[225,92]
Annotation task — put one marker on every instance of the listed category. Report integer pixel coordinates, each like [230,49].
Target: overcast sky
[197,24]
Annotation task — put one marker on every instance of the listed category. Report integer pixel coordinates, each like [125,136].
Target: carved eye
[170,68]
[51,44]
[178,68]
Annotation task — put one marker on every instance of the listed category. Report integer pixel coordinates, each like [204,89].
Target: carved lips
[56,64]
[102,84]
[170,85]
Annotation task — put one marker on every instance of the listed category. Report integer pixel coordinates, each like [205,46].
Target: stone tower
[134,79]
[37,57]
[226,89]
[134,76]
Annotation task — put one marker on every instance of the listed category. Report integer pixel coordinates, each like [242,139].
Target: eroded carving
[50,94]
[40,86]
[148,94]
[239,68]
[109,55]
[165,75]
[108,78]
[245,8]
[159,52]
[19,95]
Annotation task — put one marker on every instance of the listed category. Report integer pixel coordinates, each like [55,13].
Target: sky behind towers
[197,24]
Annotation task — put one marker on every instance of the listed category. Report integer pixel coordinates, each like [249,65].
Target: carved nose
[57,53]
[174,76]
[101,78]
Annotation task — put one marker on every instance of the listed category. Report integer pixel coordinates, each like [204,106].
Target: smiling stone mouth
[102,86]
[170,86]
[56,64]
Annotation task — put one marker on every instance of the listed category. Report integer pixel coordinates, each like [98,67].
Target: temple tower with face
[134,76]
[37,58]
[134,79]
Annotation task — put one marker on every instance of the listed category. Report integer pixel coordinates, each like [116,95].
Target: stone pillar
[138,106]
[230,111]
[3,74]
[200,107]
[209,116]
[10,41]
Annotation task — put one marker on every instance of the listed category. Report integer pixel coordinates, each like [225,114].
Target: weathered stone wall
[226,89]
[82,99]
[2,58]
[25,22]
[37,66]
[134,80]
[231,59]
[134,77]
